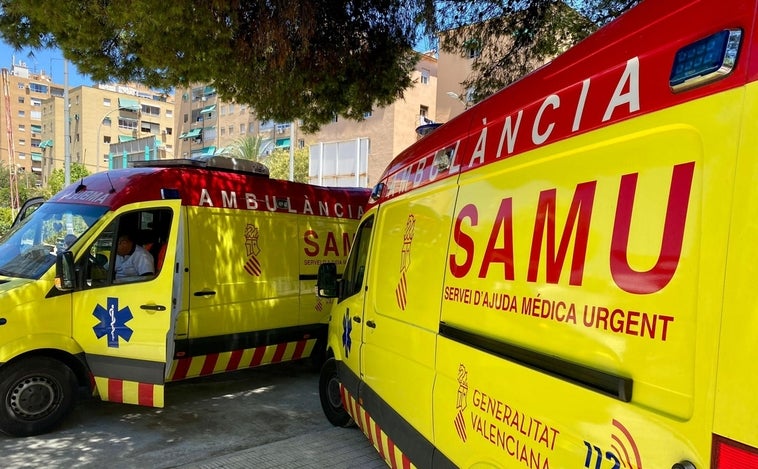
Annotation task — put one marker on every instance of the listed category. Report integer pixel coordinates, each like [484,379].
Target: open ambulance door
[27,209]
[124,325]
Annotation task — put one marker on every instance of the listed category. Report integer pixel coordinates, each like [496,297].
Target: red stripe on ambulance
[373,431]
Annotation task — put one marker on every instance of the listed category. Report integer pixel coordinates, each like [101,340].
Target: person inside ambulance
[132,260]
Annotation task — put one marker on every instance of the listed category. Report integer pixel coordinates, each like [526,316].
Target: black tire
[329,393]
[35,395]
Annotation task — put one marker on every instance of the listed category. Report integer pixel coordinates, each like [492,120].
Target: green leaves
[307,59]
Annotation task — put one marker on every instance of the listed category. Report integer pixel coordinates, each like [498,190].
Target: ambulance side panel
[736,410]
[243,289]
[589,276]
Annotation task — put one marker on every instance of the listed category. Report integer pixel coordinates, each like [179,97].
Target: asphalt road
[265,417]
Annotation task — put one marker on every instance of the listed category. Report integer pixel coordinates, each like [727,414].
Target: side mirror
[65,271]
[326,285]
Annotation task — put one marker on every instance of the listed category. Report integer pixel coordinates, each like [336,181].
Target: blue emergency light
[705,60]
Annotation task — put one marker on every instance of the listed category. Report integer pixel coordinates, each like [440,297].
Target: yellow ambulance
[558,278]
[233,257]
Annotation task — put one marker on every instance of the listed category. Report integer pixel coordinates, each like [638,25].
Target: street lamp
[99,157]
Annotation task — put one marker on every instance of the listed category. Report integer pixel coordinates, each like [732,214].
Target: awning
[36,156]
[208,109]
[210,151]
[125,138]
[46,144]
[282,142]
[194,133]
[36,128]
[128,104]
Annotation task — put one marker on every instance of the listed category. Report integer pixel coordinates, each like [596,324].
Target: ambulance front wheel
[35,395]
[331,398]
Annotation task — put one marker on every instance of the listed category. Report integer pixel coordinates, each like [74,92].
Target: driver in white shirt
[132,260]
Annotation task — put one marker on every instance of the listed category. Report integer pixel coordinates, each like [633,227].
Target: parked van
[559,277]
[233,257]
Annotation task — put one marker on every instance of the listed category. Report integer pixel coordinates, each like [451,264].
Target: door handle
[357,319]
[371,324]
[205,293]
[153,307]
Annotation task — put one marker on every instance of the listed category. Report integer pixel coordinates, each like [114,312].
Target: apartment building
[103,115]
[207,125]
[24,92]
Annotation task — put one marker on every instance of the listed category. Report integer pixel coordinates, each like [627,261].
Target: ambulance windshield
[30,248]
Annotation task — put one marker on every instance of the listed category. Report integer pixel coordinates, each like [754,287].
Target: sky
[49,60]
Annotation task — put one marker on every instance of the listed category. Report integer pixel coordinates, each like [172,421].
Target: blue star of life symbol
[347,326]
[113,322]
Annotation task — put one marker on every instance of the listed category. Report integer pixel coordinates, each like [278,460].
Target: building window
[301,143]
[169,113]
[231,108]
[128,124]
[22,142]
[151,110]
[242,128]
[21,128]
[106,139]
[38,88]
[20,86]
[21,100]
[231,129]
[21,113]
[223,110]
[21,155]
[424,76]
[107,121]
[169,131]
[423,111]
[223,131]
[251,127]
[368,114]
[107,102]
[36,115]
[150,127]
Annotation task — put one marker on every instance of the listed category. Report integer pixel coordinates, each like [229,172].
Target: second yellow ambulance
[561,277]
[235,258]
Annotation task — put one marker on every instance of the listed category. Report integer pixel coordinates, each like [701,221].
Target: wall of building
[390,129]
[451,95]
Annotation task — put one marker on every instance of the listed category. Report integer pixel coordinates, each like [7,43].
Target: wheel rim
[34,397]
[333,393]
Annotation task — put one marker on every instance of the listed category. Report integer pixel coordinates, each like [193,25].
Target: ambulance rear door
[123,325]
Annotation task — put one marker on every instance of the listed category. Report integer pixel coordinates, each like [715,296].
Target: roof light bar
[706,60]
